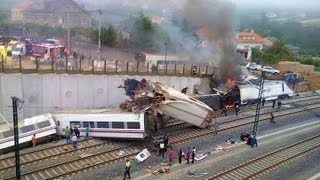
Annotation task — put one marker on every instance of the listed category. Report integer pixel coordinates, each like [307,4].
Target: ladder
[256,119]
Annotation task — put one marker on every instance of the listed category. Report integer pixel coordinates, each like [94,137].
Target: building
[268,41]
[55,13]
[245,41]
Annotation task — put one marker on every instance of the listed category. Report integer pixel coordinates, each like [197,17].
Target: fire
[229,80]
[229,106]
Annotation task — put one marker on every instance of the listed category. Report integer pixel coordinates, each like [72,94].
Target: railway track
[177,123]
[194,133]
[83,164]
[256,167]
[64,151]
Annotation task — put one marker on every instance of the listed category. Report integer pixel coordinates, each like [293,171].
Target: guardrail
[86,66]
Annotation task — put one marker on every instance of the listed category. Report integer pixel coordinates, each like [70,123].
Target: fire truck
[46,52]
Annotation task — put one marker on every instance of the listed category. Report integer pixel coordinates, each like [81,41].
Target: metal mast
[256,119]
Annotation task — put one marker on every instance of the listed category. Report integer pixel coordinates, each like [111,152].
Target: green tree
[279,50]
[108,36]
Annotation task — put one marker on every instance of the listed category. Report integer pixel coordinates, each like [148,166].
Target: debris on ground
[161,99]
[143,155]
[197,174]
[201,155]
[162,170]
[120,153]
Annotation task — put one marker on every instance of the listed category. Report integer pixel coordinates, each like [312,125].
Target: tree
[108,36]
[280,51]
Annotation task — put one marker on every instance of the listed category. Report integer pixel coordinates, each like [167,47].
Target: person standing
[67,133]
[273,103]
[188,155]
[170,156]
[216,127]
[155,125]
[74,141]
[76,131]
[224,111]
[263,101]
[237,109]
[34,141]
[272,119]
[166,142]
[193,154]
[162,149]
[279,105]
[87,132]
[127,169]
[180,155]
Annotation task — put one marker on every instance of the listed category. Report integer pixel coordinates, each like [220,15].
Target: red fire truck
[47,52]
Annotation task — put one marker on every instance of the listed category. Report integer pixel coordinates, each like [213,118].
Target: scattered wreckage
[158,98]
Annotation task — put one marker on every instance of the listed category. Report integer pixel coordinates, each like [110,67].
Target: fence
[91,66]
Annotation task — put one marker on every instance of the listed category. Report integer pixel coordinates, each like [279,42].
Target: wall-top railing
[91,66]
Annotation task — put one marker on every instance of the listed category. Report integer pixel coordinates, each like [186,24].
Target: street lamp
[16,103]
[165,55]
[99,42]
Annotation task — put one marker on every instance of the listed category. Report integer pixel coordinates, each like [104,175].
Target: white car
[270,70]
[253,66]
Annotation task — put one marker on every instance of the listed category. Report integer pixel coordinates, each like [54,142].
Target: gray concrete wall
[44,92]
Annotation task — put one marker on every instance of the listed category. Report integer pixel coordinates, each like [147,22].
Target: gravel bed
[301,168]
[208,144]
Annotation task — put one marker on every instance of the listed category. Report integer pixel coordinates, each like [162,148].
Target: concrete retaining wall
[44,92]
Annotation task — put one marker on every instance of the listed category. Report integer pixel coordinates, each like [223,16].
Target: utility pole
[165,55]
[16,102]
[256,119]
[68,38]
[99,43]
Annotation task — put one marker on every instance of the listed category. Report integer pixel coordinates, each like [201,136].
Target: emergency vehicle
[46,52]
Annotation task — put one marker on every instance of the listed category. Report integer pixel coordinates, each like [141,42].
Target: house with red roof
[245,41]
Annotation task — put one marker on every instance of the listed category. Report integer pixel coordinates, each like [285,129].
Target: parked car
[270,70]
[253,66]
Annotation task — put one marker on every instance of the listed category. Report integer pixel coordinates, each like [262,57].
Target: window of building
[257,47]
[246,47]
[90,124]
[118,125]
[133,125]
[103,124]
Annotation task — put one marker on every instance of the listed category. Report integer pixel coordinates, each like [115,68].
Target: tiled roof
[248,37]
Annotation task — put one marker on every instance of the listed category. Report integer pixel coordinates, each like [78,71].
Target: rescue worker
[216,127]
[34,141]
[184,90]
[127,169]
[254,142]
[87,132]
[188,155]
[76,131]
[272,119]
[161,149]
[193,154]
[196,91]
[273,103]
[67,133]
[180,155]
[170,156]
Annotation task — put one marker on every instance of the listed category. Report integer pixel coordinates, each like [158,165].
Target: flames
[229,106]
[229,80]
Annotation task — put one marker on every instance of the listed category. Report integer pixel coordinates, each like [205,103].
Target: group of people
[75,135]
[251,139]
[189,154]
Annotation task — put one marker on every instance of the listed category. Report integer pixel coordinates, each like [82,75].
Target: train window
[282,87]
[58,123]
[103,124]
[7,133]
[1,136]
[74,124]
[133,125]
[44,124]
[28,128]
[118,125]
[91,124]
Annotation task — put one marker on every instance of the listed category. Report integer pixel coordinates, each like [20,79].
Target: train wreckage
[158,98]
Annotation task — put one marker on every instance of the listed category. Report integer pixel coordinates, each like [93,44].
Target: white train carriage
[271,90]
[41,126]
[102,123]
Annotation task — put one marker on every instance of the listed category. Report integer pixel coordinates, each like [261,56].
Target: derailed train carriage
[247,94]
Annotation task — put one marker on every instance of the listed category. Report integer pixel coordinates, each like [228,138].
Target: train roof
[266,83]
[88,111]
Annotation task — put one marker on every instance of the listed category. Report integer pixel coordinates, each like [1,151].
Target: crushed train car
[156,97]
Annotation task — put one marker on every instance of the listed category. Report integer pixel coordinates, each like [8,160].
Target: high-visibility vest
[161,145]
[128,164]
[194,150]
